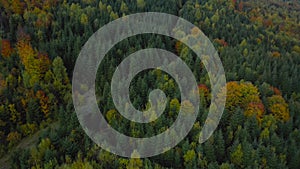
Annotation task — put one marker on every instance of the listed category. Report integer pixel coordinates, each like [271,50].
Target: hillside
[258,43]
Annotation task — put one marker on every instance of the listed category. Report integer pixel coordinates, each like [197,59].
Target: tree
[60,80]
[174,107]
[220,146]
[28,129]
[276,54]
[15,116]
[59,71]
[135,162]
[36,64]
[123,7]
[255,109]
[78,164]
[278,107]
[198,14]
[6,48]
[44,103]
[236,157]
[27,55]
[189,159]
[141,4]
[215,17]
[84,19]
[241,95]
[209,150]
[13,138]
[44,63]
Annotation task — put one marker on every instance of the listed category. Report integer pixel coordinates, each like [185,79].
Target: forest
[258,43]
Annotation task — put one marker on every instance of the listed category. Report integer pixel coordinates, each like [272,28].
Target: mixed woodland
[258,43]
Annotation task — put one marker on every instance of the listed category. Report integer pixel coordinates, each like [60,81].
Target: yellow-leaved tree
[36,64]
[278,107]
[246,96]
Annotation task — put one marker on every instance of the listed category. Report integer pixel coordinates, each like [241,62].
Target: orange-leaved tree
[6,48]
[44,103]
[257,109]
[246,96]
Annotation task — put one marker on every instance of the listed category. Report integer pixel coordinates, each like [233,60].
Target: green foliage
[237,156]
[140,4]
[258,43]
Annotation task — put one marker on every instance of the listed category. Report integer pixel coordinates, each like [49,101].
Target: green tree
[190,159]
[141,4]
[123,7]
[236,156]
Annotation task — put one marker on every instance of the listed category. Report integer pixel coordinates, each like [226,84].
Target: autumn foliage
[178,47]
[257,109]
[276,90]
[203,89]
[246,96]
[241,94]
[44,103]
[13,6]
[276,54]
[36,64]
[222,42]
[278,107]
[257,43]
[6,48]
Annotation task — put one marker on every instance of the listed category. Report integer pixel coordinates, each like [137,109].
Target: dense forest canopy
[258,43]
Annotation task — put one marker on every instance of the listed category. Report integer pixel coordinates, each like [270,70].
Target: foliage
[257,41]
